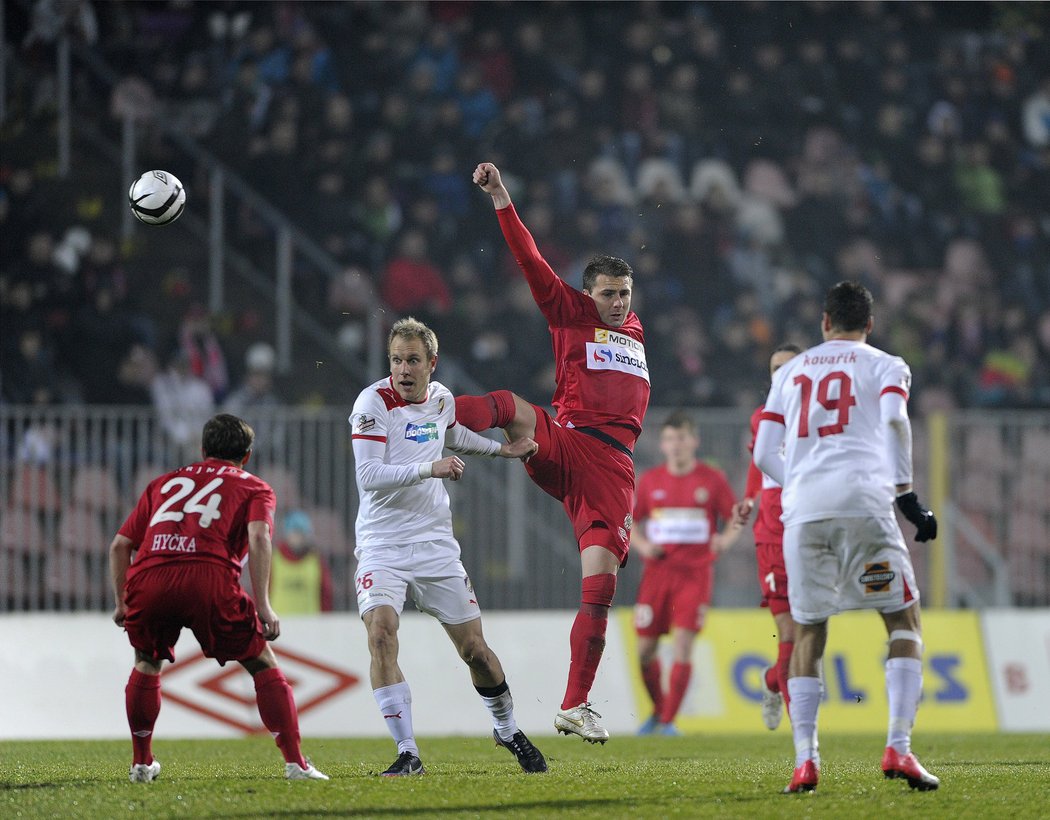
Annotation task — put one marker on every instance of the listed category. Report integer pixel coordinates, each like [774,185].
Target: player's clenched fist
[486,176]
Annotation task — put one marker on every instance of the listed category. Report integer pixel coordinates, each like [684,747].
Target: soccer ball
[157,198]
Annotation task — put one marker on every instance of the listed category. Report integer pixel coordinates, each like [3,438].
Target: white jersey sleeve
[395,442]
[837,454]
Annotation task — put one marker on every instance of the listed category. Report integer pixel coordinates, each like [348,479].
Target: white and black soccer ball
[157,198]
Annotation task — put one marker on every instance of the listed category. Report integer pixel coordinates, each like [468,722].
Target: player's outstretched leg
[277,709]
[477,413]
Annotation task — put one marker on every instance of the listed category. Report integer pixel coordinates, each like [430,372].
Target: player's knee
[475,652]
[382,640]
[598,591]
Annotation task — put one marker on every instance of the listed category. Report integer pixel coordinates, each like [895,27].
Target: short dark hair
[849,305]
[681,420]
[787,347]
[227,437]
[609,265]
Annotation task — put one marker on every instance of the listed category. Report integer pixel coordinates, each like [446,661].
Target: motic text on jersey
[615,351]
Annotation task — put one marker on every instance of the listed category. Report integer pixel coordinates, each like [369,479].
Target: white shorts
[430,569]
[847,563]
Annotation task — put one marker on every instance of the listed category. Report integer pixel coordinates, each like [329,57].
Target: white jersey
[408,508]
[837,460]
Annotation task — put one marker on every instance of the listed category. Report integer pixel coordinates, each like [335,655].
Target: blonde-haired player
[400,428]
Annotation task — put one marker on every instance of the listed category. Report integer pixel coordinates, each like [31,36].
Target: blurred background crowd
[741,156]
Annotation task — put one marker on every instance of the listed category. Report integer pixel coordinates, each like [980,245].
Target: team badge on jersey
[877,577]
[421,433]
[701,495]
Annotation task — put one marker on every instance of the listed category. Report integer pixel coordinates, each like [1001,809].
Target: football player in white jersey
[400,428]
[839,410]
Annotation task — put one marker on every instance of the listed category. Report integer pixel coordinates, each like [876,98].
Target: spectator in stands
[411,281]
[256,400]
[203,352]
[300,580]
[183,402]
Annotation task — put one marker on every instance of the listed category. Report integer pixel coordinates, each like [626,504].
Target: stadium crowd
[742,157]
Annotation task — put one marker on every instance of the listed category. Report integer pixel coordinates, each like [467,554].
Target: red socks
[783,661]
[142,700]
[652,678]
[278,713]
[587,637]
[679,683]
[479,413]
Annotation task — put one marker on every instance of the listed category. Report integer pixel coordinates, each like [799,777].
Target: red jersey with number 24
[198,513]
[601,373]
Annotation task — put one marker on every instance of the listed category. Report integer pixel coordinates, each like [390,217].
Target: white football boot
[293,771]
[144,772]
[581,720]
[772,706]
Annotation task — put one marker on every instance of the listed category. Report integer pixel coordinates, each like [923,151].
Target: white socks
[395,705]
[501,707]
[805,701]
[903,690]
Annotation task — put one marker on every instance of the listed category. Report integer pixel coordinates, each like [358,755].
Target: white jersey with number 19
[836,459]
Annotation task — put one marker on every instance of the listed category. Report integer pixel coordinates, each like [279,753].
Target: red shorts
[672,595]
[206,598]
[772,577]
[593,480]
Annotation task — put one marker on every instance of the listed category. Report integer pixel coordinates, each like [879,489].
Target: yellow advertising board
[736,646]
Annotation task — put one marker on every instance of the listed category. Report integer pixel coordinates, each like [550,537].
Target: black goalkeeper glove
[925,521]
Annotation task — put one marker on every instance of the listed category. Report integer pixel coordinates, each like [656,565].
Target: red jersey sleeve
[754,475]
[261,506]
[558,302]
[134,527]
[725,499]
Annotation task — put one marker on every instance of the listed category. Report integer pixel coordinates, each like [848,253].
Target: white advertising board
[1017,645]
[64,677]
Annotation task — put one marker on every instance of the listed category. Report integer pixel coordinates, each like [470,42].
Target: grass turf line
[983,776]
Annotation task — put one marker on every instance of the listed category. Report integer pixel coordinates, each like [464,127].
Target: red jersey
[198,513]
[601,373]
[681,513]
[768,527]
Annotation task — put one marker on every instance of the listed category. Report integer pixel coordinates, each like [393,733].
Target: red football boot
[804,778]
[907,767]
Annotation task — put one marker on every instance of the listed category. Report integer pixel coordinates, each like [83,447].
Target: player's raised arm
[544,283]
[487,177]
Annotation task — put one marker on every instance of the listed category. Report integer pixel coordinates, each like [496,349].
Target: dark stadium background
[742,157]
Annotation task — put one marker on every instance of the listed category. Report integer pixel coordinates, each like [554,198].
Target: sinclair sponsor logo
[615,351]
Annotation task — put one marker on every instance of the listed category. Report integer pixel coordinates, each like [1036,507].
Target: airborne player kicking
[585,456]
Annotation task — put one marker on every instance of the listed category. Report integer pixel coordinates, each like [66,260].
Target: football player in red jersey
[585,456]
[769,548]
[189,534]
[680,505]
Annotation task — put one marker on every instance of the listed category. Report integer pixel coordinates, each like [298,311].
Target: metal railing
[69,476]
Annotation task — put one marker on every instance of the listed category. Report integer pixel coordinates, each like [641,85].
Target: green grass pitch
[983,776]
